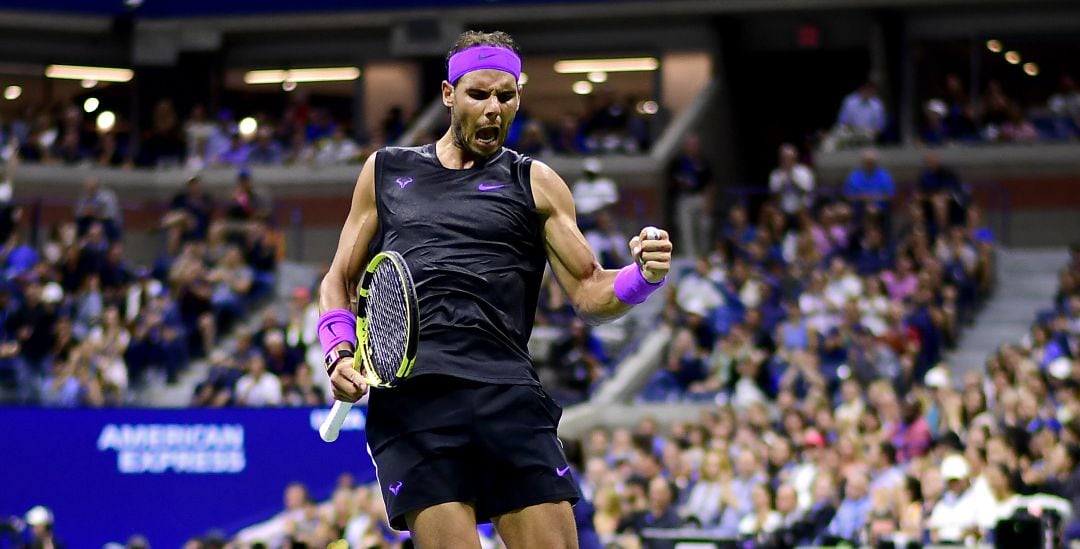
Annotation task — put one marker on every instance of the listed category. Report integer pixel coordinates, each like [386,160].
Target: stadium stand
[808,380]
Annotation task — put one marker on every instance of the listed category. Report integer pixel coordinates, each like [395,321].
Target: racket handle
[332,424]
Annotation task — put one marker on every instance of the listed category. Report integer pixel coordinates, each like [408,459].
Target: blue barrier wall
[167,474]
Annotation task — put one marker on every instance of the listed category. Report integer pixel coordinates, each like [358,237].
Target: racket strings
[387,321]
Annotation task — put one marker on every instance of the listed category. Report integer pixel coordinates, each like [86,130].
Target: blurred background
[870,334]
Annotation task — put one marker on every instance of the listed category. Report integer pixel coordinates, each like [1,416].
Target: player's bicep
[356,234]
[572,259]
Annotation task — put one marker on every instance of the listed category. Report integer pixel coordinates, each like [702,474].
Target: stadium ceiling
[257,15]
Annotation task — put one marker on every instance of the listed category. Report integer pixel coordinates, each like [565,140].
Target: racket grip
[332,424]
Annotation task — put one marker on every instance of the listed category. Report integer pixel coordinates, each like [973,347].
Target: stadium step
[1027,280]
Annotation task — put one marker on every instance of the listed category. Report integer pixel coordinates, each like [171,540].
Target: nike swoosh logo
[486,187]
[483,56]
[562,472]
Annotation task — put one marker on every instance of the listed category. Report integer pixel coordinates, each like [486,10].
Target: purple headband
[483,57]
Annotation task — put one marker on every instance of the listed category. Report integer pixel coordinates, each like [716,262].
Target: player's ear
[447,94]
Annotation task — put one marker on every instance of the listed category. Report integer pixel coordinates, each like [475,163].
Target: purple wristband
[336,326]
[632,288]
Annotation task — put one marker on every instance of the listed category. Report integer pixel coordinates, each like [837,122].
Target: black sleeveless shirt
[472,240]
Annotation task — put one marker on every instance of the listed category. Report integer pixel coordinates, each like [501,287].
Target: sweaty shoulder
[549,190]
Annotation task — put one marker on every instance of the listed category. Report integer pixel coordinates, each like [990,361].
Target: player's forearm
[596,302]
[333,292]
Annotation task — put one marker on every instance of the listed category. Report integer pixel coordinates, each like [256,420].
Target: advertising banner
[167,474]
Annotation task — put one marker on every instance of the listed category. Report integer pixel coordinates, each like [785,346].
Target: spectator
[246,204]
[593,193]
[40,520]
[660,513]
[861,119]
[953,518]
[1065,105]
[854,510]
[691,188]
[265,151]
[189,215]
[703,502]
[763,520]
[871,185]
[98,204]
[258,387]
[608,243]
[580,362]
[792,182]
[337,149]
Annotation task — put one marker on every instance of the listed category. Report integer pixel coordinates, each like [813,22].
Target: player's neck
[453,156]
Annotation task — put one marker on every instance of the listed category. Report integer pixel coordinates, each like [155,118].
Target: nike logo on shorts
[490,187]
[562,472]
[396,486]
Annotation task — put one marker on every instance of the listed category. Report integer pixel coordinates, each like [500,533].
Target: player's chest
[484,204]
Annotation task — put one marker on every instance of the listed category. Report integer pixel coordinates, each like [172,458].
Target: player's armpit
[349,259]
[589,287]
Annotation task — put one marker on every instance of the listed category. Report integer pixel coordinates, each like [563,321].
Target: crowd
[825,288]
[81,326]
[952,117]
[303,133]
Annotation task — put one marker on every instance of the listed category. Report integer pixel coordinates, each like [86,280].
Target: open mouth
[487,136]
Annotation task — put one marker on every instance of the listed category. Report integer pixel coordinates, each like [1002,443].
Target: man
[851,516]
[862,113]
[792,182]
[953,517]
[871,184]
[40,520]
[470,436]
[691,191]
[98,204]
[660,513]
[593,193]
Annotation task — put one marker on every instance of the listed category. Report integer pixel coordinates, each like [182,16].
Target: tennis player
[470,436]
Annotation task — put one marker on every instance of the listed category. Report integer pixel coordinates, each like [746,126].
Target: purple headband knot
[483,57]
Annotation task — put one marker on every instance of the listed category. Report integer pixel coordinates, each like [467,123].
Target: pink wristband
[336,326]
[632,288]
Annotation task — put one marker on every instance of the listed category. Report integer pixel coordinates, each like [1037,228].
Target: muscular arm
[338,287]
[339,284]
[589,287]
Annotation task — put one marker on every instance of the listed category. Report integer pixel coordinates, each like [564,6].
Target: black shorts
[437,439]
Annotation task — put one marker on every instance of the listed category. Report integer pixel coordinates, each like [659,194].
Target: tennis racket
[387,331]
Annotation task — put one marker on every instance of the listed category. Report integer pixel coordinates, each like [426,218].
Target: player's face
[482,107]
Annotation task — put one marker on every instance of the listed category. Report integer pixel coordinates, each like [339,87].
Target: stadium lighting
[1013,57]
[100,74]
[625,64]
[105,121]
[1031,69]
[91,104]
[648,107]
[87,84]
[278,76]
[248,127]
[582,87]
[288,85]
[994,45]
[597,77]
[12,93]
